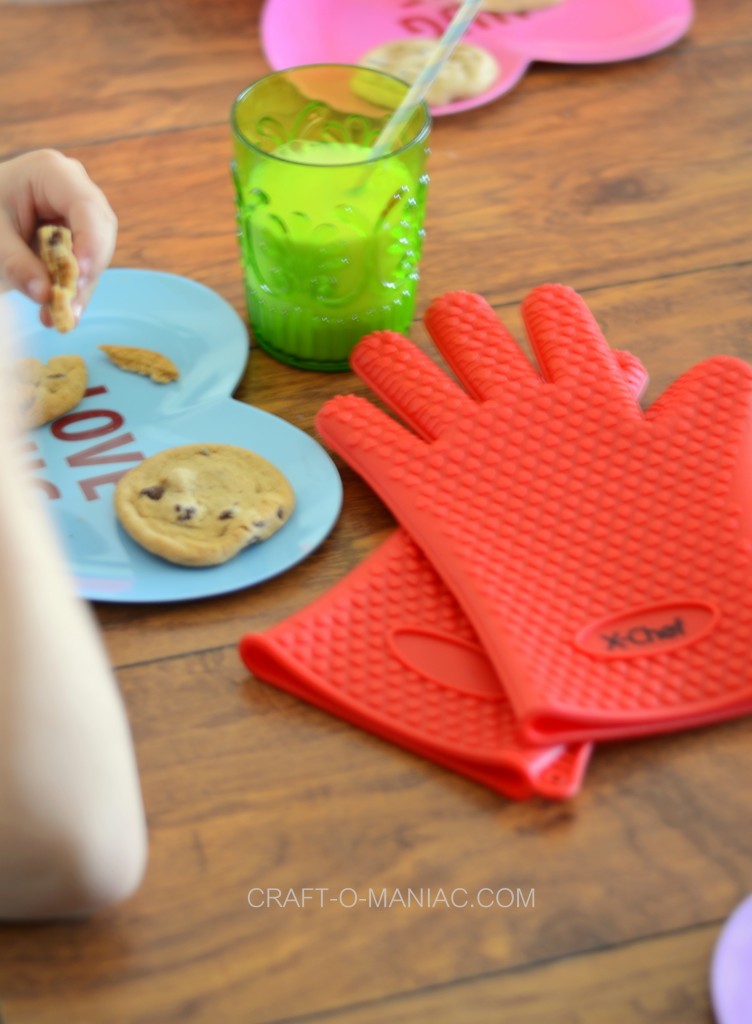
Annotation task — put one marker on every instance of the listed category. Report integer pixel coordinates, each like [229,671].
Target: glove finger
[633,371]
[374,444]
[424,396]
[568,343]
[418,390]
[715,391]
[477,346]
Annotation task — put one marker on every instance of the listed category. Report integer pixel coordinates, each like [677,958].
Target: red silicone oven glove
[602,554]
[389,650]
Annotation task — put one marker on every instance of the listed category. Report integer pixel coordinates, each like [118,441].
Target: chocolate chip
[185,512]
[229,513]
[154,492]
[280,513]
[56,237]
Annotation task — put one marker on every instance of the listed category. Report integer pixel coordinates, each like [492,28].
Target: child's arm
[72,829]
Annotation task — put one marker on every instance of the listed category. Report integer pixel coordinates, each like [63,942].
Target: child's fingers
[20,268]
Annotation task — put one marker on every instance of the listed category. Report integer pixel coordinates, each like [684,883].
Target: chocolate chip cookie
[468,72]
[518,6]
[201,504]
[48,390]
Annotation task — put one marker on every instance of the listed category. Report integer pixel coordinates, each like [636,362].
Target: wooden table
[631,182]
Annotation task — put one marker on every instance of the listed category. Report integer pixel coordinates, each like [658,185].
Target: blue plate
[125,417]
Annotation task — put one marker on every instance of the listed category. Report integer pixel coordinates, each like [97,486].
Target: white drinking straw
[455,30]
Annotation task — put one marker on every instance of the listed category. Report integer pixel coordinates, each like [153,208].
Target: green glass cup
[330,234]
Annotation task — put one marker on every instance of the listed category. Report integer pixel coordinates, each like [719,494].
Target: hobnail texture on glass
[330,240]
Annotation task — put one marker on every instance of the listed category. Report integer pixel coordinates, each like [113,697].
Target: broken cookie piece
[144,361]
[56,252]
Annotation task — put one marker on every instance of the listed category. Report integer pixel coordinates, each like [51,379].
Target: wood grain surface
[632,182]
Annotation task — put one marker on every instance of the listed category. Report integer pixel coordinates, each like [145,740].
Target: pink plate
[297,32]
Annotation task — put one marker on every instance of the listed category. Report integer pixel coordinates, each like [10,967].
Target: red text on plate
[77,426]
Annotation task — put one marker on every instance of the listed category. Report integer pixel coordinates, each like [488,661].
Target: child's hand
[45,186]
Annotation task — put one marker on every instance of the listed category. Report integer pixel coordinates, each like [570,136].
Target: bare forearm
[72,831]
[71,819]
